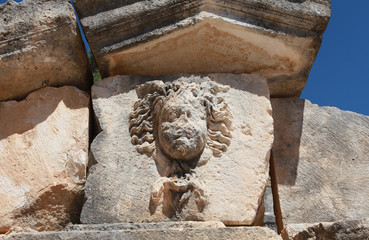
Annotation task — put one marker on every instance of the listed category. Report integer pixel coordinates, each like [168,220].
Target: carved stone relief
[190,147]
[181,124]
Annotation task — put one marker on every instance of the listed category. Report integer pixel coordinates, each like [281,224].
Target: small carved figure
[177,123]
[176,192]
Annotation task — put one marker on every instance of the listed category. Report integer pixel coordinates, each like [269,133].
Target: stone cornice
[134,18]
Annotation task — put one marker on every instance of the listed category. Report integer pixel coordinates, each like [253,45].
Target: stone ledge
[145,226]
[185,232]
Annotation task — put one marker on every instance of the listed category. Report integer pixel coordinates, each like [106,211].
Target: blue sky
[340,74]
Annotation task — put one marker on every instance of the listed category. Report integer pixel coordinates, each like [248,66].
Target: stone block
[192,148]
[43,158]
[340,230]
[145,226]
[278,39]
[159,232]
[321,162]
[40,45]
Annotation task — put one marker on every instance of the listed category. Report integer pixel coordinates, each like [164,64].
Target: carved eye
[172,116]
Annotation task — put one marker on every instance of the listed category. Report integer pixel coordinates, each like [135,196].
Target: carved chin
[183,147]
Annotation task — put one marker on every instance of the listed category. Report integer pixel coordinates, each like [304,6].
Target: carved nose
[183,118]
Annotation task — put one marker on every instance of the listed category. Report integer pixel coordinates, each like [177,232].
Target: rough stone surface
[341,230]
[43,157]
[221,122]
[250,233]
[321,162]
[146,226]
[40,45]
[276,38]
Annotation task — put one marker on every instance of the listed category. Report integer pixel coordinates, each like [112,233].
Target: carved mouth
[184,142]
[187,135]
[177,131]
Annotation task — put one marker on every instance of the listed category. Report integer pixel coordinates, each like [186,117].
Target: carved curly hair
[219,117]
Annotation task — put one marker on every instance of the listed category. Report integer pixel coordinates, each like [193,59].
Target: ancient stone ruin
[196,130]
[188,139]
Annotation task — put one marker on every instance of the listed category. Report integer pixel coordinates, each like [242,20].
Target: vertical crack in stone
[276,204]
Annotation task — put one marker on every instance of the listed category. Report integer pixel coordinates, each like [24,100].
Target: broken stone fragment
[40,45]
[278,39]
[321,162]
[43,158]
[340,230]
[192,148]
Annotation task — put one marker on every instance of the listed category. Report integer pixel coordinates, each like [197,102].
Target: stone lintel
[278,39]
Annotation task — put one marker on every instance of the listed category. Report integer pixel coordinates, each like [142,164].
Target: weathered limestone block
[159,232]
[40,45]
[321,162]
[341,230]
[278,39]
[144,226]
[43,157]
[192,148]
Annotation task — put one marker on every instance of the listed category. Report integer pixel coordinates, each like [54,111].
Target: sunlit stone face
[182,126]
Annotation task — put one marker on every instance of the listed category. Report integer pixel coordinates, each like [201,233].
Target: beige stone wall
[197,144]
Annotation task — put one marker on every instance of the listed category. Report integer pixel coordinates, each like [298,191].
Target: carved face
[181,118]
[182,126]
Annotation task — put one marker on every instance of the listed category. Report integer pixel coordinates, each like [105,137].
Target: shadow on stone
[23,116]
[288,119]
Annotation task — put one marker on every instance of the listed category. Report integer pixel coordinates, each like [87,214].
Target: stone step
[152,231]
